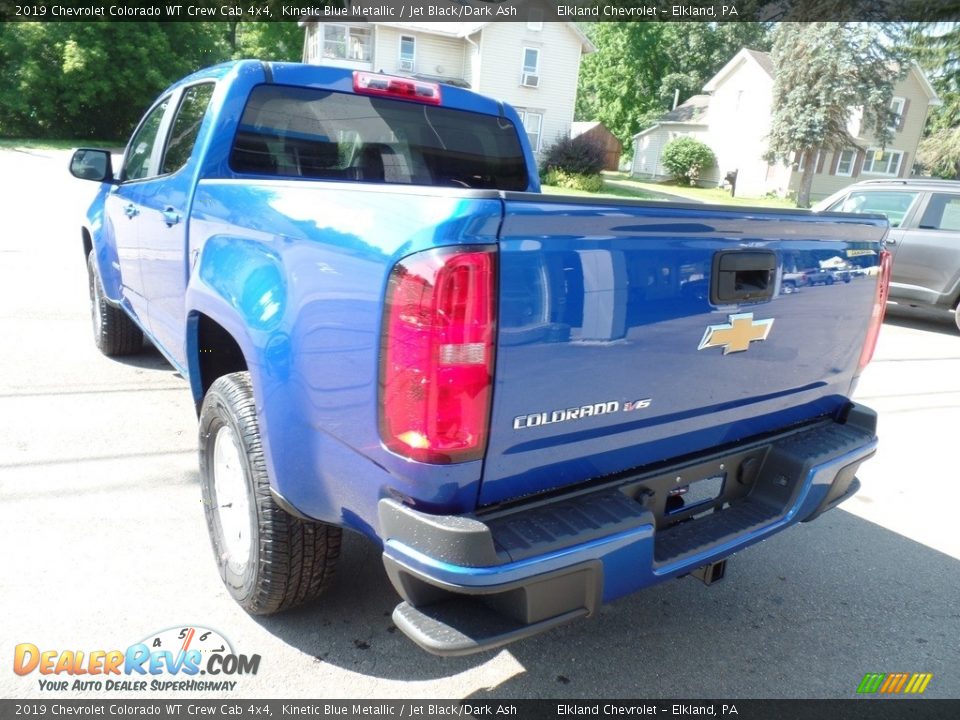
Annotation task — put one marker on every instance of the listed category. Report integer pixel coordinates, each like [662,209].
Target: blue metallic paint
[295,272]
[616,293]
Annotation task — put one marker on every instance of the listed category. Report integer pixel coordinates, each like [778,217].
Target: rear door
[164,207]
[615,351]
[927,261]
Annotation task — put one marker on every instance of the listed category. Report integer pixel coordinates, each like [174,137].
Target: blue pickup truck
[534,404]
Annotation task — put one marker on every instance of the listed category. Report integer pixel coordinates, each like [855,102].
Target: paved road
[103,539]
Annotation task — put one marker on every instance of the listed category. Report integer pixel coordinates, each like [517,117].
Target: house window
[882,162]
[342,42]
[408,52]
[533,124]
[530,75]
[896,110]
[845,162]
[536,20]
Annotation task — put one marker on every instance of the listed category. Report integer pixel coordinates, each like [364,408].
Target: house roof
[761,59]
[933,98]
[461,30]
[690,111]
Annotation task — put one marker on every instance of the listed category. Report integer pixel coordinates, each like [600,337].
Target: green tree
[936,47]
[824,72]
[95,80]
[686,158]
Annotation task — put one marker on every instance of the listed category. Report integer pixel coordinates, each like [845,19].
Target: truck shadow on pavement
[921,319]
[804,614]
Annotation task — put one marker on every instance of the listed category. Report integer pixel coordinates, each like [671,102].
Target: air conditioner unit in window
[406,65]
[531,80]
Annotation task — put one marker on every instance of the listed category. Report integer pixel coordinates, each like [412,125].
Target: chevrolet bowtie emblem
[736,335]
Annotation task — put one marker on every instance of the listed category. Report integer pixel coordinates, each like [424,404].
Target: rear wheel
[114,333]
[268,559]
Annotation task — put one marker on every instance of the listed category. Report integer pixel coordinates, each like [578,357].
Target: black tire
[114,333]
[956,316]
[286,560]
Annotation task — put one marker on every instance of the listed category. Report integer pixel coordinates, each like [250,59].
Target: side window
[942,213]
[895,204]
[186,127]
[137,164]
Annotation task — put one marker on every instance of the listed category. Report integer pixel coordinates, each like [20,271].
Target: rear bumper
[475,583]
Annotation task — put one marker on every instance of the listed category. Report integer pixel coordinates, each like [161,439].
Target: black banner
[888,709]
[479,10]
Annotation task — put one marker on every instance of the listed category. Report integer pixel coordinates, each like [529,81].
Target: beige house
[733,117]
[533,66]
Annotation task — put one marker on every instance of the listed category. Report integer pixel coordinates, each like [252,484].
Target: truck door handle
[170,216]
[130,210]
[891,241]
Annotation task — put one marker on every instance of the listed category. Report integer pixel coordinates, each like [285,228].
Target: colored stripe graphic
[894,683]
[918,683]
[871,682]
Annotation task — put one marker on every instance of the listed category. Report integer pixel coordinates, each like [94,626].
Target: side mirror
[92,164]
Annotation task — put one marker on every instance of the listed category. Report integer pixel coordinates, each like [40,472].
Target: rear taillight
[436,360]
[391,86]
[879,308]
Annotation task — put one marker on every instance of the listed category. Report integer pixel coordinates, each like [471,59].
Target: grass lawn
[30,144]
[707,195]
[609,191]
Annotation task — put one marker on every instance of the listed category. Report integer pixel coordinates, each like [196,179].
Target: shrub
[573,181]
[580,155]
[685,158]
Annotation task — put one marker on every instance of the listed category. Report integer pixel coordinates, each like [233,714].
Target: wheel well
[87,244]
[218,354]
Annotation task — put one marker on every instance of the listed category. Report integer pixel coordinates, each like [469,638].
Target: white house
[533,66]
[733,117]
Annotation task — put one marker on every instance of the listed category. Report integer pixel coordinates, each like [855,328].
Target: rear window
[895,204]
[303,132]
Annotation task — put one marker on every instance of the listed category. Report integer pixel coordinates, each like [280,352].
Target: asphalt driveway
[104,543]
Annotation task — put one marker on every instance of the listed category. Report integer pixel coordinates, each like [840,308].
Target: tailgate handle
[742,276]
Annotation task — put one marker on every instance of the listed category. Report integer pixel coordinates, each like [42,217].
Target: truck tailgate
[605,361]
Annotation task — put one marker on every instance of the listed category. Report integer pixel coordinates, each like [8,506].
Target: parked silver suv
[924,235]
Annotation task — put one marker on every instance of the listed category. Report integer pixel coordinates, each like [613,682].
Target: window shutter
[903,115]
[821,157]
[858,163]
[904,166]
[835,161]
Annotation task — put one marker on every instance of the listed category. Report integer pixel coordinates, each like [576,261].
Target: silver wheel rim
[232,498]
[96,309]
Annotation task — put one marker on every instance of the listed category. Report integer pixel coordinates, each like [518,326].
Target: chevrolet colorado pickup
[534,404]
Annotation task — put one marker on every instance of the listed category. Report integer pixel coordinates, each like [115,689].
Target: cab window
[186,126]
[137,165]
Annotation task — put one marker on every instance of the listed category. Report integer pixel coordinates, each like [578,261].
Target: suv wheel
[268,559]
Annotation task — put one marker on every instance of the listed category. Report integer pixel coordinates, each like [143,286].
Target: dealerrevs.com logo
[170,660]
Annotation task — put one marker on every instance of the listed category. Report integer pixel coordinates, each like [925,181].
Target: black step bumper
[473,583]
